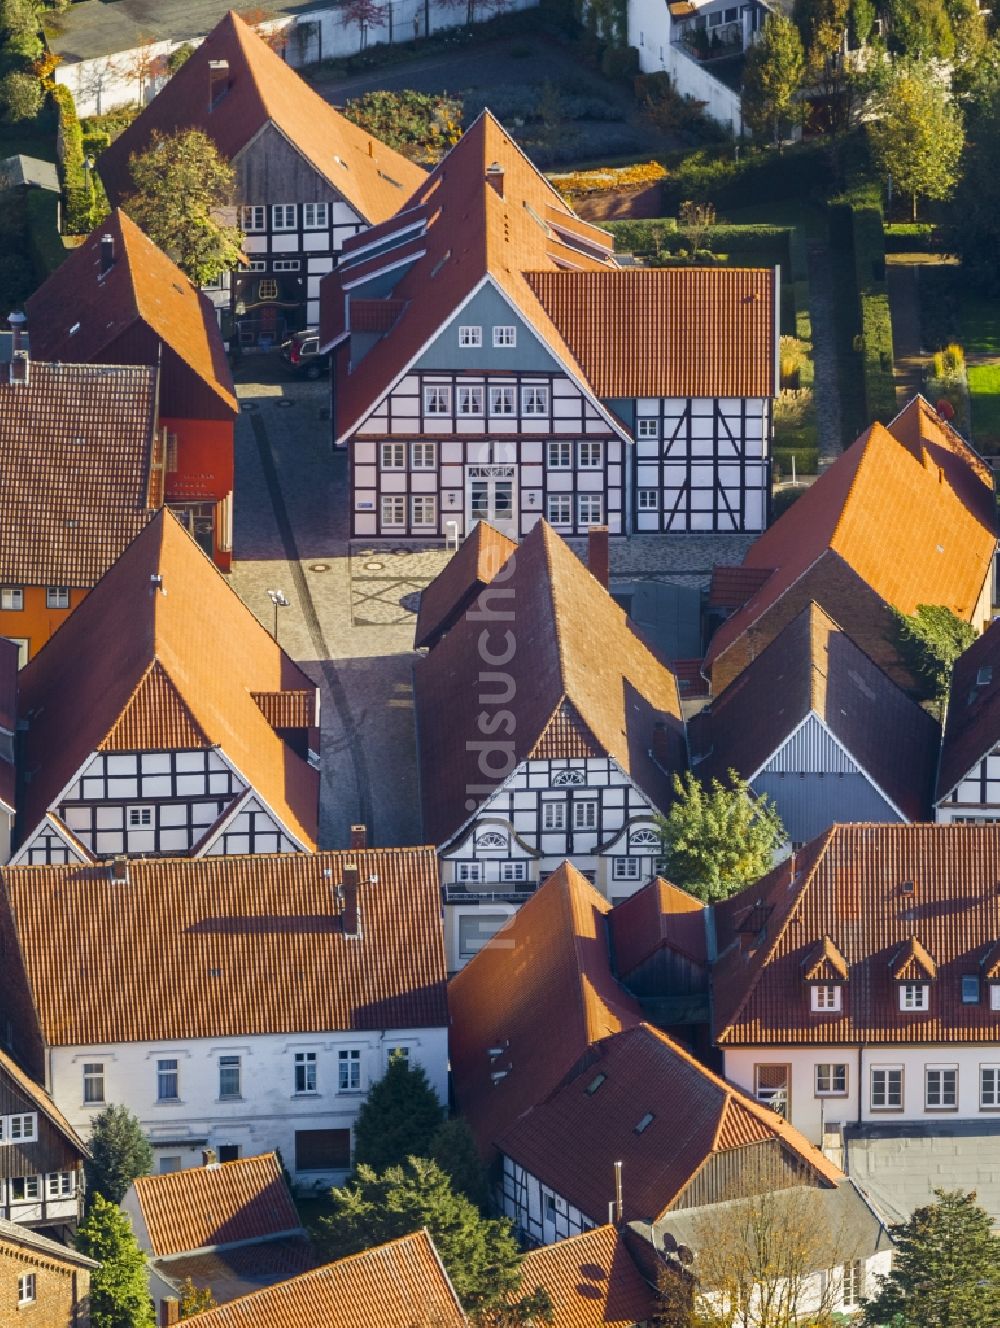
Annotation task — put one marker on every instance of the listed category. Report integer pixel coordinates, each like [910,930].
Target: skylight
[645,1123]
[595,1083]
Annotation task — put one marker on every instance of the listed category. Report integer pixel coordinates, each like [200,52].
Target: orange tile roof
[972,727]
[848,885]
[227,946]
[584,682]
[375,180]
[76,442]
[572,1138]
[912,963]
[914,522]
[143,287]
[659,916]
[551,958]
[592,1279]
[379,1288]
[183,673]
[666,332]
[473,566]
[289,710]
[825,963]
[204,1207]
[36,1094]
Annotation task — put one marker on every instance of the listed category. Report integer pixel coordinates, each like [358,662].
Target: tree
[398,1118]
[976,209]
[917,135]
[773,76]
[920,29]
[366,14]
[930,641]
[945,1269]
[454,1149]
[696,219]
[194,1299]
[119,1151]
[20,96]
[119,1295]
[717,840]
[480,1254]
[968,25]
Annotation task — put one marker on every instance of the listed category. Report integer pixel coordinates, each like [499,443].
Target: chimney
[352,904]
[208,1157]
[218,81]
[599,554]
[19,374]
[119,869]
[618,1193]
[170,1311]
[359,838]
[371,148]
[107,254]
[18,323]
[494,177]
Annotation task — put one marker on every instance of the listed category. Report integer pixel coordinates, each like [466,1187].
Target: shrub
[44,242]
[79,204]
[806,461]
[21,96]
[909,237]
[421,125]
[620,62]
[865,210]
[758,176]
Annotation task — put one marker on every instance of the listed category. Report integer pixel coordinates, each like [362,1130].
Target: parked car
[301,353]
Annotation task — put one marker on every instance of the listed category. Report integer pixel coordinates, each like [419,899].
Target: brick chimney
[359,838]
[218,81]
[599,554]
[119,869]
[494,177]
[351,915]
[107,254]
[170,1311]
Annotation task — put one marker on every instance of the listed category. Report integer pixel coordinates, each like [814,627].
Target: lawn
[984,391]
[980,315]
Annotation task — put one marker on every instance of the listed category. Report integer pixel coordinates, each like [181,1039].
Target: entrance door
[491,495]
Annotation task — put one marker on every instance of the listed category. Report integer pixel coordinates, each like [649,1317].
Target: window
[591,456]
[914,995]
[394,510]
[534,400]
[315,216]
[229,1152]
[470,401]
[267,290]
[887,1088]
[21,1129]
[732,15]
[424,510]
[470,336]
[647,428]
[171,458]
[852,1283]
[513,871]
[585,814]
[501,401]
[305,1072]
[57,597]
[26,1288]
[283,216]
[349,1070]
[322,1150]
[168,1165]
[626,869]
[230,1069]
[771,1086]
[257,265]
[392,456]
[25,1189]
[644,1123]
[285,265]
[649,500]
[475,930]
[437,401]
[989,1087]
[831,1080]
[93,1082]
[166,1081]
[559,456]
[505,337]
[423,456]
[825,996]
[139,817]
[941,1087]
[60,1184]
[995,995]
[11,598]
[469,871]
[591,509]
[253,219]
[553,816]
[970,989]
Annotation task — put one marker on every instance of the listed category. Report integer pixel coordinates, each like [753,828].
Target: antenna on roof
[619,1204]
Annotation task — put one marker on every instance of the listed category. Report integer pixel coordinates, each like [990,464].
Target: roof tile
[592,1280]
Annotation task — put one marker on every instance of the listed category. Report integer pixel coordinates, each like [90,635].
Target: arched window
[567,777]
[491,839]
[644,839]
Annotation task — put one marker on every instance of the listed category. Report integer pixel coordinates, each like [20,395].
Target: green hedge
[806,460]
[909,237]
[44,241]
[74,176]
[864,208]
[663,235]
[757,177]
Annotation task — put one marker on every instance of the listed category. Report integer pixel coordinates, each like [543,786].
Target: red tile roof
[552,958]
[77,443]
[640,1099]
[972,727]
[731,587]
[183,673]
[204,1207]
[80,315]
[885,896]
[472,566]
[825,963]
[592,1279]
[583,683]
[658,916]
[375,180]
[383,1287]
[813,667]
[915,522]
[228,946]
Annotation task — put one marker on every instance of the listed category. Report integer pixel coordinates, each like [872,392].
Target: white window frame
[11,599]
[235,1062]
[535,400]
[349,1059]
[553,815]
[437,399]
[94,1073]
[513,871]
[257,265]
[585,813]
[504,336]
[993,1073]
[995,995]
[558,455]
[852,1283]
[21,1128]
[284,216]
[305,1070]
[140,816]
[469,872]
[391,504]
[626,869]
[253,218]
[423,456]
[57,597]
[590,509]
[31,1186]
[647,500]
[590,454]
[27,1289]
[914,996]
[470,336]
[315,216]
[60,1184]
[167,1068]
[285,265]
[884,1071]
[423,510]
[559,509]
[647,426]
[502,402]
[830,1072]
[469,400]
[392,456]
[942,1073]
[825,997]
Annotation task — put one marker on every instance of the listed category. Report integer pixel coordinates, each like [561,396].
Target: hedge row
[42,228]
[757,177]
[909,237]
[74,175]
[865,209]
[664,235]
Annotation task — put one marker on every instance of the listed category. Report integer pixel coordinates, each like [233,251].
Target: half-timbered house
[118,299]
[306,177]
[41,1155]
[163,719]
[493,362]
[968,779]
[547,729]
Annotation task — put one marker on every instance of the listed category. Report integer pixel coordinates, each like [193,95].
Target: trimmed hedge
[909,237]
[664,235]
[864,209]
[758,177]
[74,176]
[44,241]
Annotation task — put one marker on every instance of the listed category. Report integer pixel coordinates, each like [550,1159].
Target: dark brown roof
[972,728]
[239,1270]
[183,673]
[584,683]
[81,313]
[229,946]
[472,567]
[884,895]
[813,667]
[374,179]
[77,443]
[659,916]
[731,587]
[26,1086]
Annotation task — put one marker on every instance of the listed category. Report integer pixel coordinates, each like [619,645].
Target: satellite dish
[685,1254]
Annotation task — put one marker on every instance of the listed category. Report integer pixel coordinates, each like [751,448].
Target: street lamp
[277,598]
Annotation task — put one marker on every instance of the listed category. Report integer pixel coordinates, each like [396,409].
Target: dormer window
[914,995]
[995,995]
[825,997]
